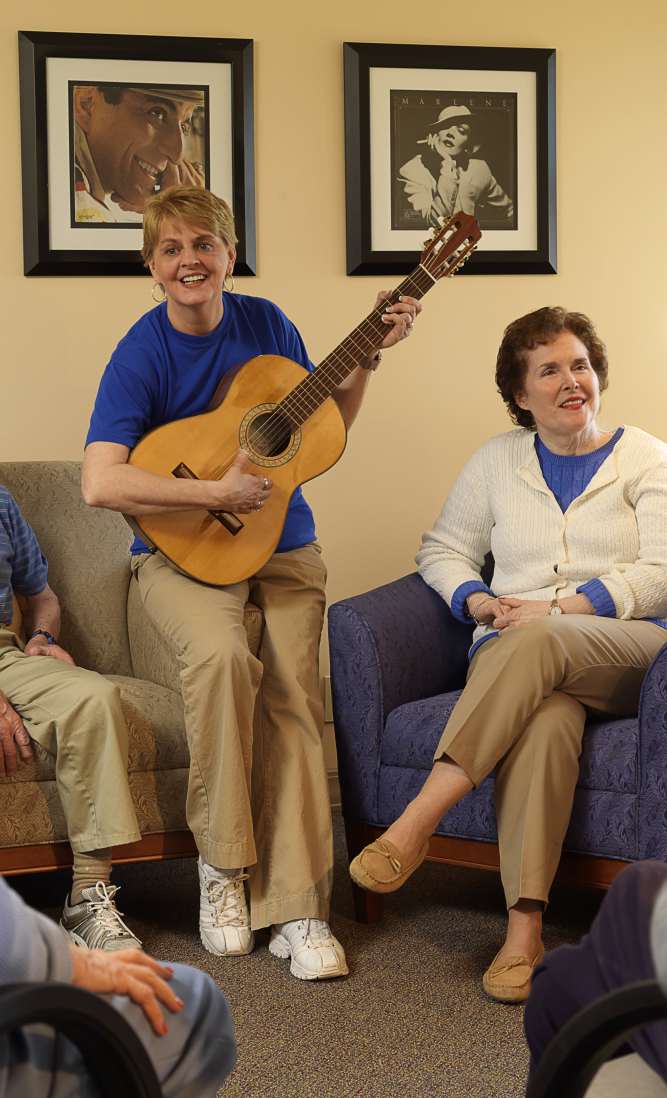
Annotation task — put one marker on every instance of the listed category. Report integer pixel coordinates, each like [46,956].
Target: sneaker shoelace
[316,930]
[106,915]
[227,898]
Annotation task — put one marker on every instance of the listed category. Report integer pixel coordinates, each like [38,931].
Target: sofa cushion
[609,758]
[602,823]
[88,553]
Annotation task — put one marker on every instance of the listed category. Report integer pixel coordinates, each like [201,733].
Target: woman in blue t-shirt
[257,800]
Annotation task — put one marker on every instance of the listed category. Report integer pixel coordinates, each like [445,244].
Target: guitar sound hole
[270,434]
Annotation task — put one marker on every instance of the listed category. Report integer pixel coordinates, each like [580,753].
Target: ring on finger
[266,483]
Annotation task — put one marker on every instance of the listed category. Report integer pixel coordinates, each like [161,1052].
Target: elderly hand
[13,735]
[127,972]
[38,646]
[483,608]
[514,612]
[399,317]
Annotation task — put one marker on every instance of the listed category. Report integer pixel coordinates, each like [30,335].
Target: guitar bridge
[228,519]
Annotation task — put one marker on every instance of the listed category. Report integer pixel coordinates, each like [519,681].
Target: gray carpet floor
[410,1020]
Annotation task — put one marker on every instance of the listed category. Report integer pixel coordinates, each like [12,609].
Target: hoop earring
[229,288]
[160,287]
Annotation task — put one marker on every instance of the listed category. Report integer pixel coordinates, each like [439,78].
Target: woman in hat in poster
[448,175]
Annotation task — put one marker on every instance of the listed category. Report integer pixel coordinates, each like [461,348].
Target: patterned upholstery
[398,663]
[105,628]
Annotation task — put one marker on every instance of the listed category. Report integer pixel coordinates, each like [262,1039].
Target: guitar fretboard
[358,346]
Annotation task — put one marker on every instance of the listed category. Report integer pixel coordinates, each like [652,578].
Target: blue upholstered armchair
[398,663]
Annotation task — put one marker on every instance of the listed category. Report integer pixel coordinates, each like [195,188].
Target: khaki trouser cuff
[240,855]
[308,906]
[85,844]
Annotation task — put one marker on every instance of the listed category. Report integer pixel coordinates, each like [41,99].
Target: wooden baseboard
[43,857]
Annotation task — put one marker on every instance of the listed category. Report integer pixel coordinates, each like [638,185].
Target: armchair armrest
[652,821]
[112,1051]
[389,646]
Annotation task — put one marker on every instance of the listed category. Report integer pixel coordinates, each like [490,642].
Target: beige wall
[433,400]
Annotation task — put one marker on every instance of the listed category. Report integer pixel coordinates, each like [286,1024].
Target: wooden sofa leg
[367,905]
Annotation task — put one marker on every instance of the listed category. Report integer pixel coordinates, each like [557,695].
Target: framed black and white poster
[431,130]
[107,121]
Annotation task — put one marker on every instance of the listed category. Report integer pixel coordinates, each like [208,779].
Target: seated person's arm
[41,616]
[108,481]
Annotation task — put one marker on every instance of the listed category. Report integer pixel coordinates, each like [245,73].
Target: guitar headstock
[451,245]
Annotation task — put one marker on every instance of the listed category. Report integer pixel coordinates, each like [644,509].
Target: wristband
[373,362]
[50,639]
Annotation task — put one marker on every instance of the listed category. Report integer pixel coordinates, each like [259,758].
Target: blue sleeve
[123,411]
[598,595]
[458,607]
[29,567]
[32,947]
[290,341]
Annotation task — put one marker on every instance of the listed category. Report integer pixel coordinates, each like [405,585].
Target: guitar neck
[356,348]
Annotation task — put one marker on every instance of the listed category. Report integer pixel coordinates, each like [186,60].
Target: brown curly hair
[531,331]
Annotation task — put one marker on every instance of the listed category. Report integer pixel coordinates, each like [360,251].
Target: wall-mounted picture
[108,121]
[432,130]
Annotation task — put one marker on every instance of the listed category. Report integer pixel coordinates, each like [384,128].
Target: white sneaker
[315,953]
[224,921]
[95,922]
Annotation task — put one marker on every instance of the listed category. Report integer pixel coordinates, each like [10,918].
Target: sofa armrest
[653,728]
[389,646]
[652,799]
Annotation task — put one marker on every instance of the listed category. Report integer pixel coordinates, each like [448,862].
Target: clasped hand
[507,612]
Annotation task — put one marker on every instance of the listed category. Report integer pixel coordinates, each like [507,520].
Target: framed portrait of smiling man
[109,121]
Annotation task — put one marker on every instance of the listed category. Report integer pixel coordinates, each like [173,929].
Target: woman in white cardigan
[576,519]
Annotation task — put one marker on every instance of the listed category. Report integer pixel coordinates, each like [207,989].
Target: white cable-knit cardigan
[615,531]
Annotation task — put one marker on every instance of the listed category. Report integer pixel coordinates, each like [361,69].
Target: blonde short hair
[191,204]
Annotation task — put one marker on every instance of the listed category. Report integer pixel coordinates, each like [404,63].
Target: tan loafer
[379,868]
[508,980]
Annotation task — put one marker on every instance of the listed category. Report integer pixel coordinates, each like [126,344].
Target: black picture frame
[370,117]
[36,49]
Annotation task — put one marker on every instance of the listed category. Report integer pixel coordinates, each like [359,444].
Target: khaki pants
[523,711]
[76,716]
[257,791]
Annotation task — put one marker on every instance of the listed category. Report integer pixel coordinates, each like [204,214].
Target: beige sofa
[105,628]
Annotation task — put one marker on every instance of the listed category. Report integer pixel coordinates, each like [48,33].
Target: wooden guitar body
[221,549]
[287,422]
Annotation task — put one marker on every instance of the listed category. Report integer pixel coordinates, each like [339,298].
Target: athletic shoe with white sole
[315,953]
[96,923]
[224,921]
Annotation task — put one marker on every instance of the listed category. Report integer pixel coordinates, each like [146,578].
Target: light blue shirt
[23,567]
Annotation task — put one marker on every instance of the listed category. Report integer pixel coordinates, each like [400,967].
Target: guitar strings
[315,386]
[296,407]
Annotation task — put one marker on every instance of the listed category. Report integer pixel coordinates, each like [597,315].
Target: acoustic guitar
[286,420]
